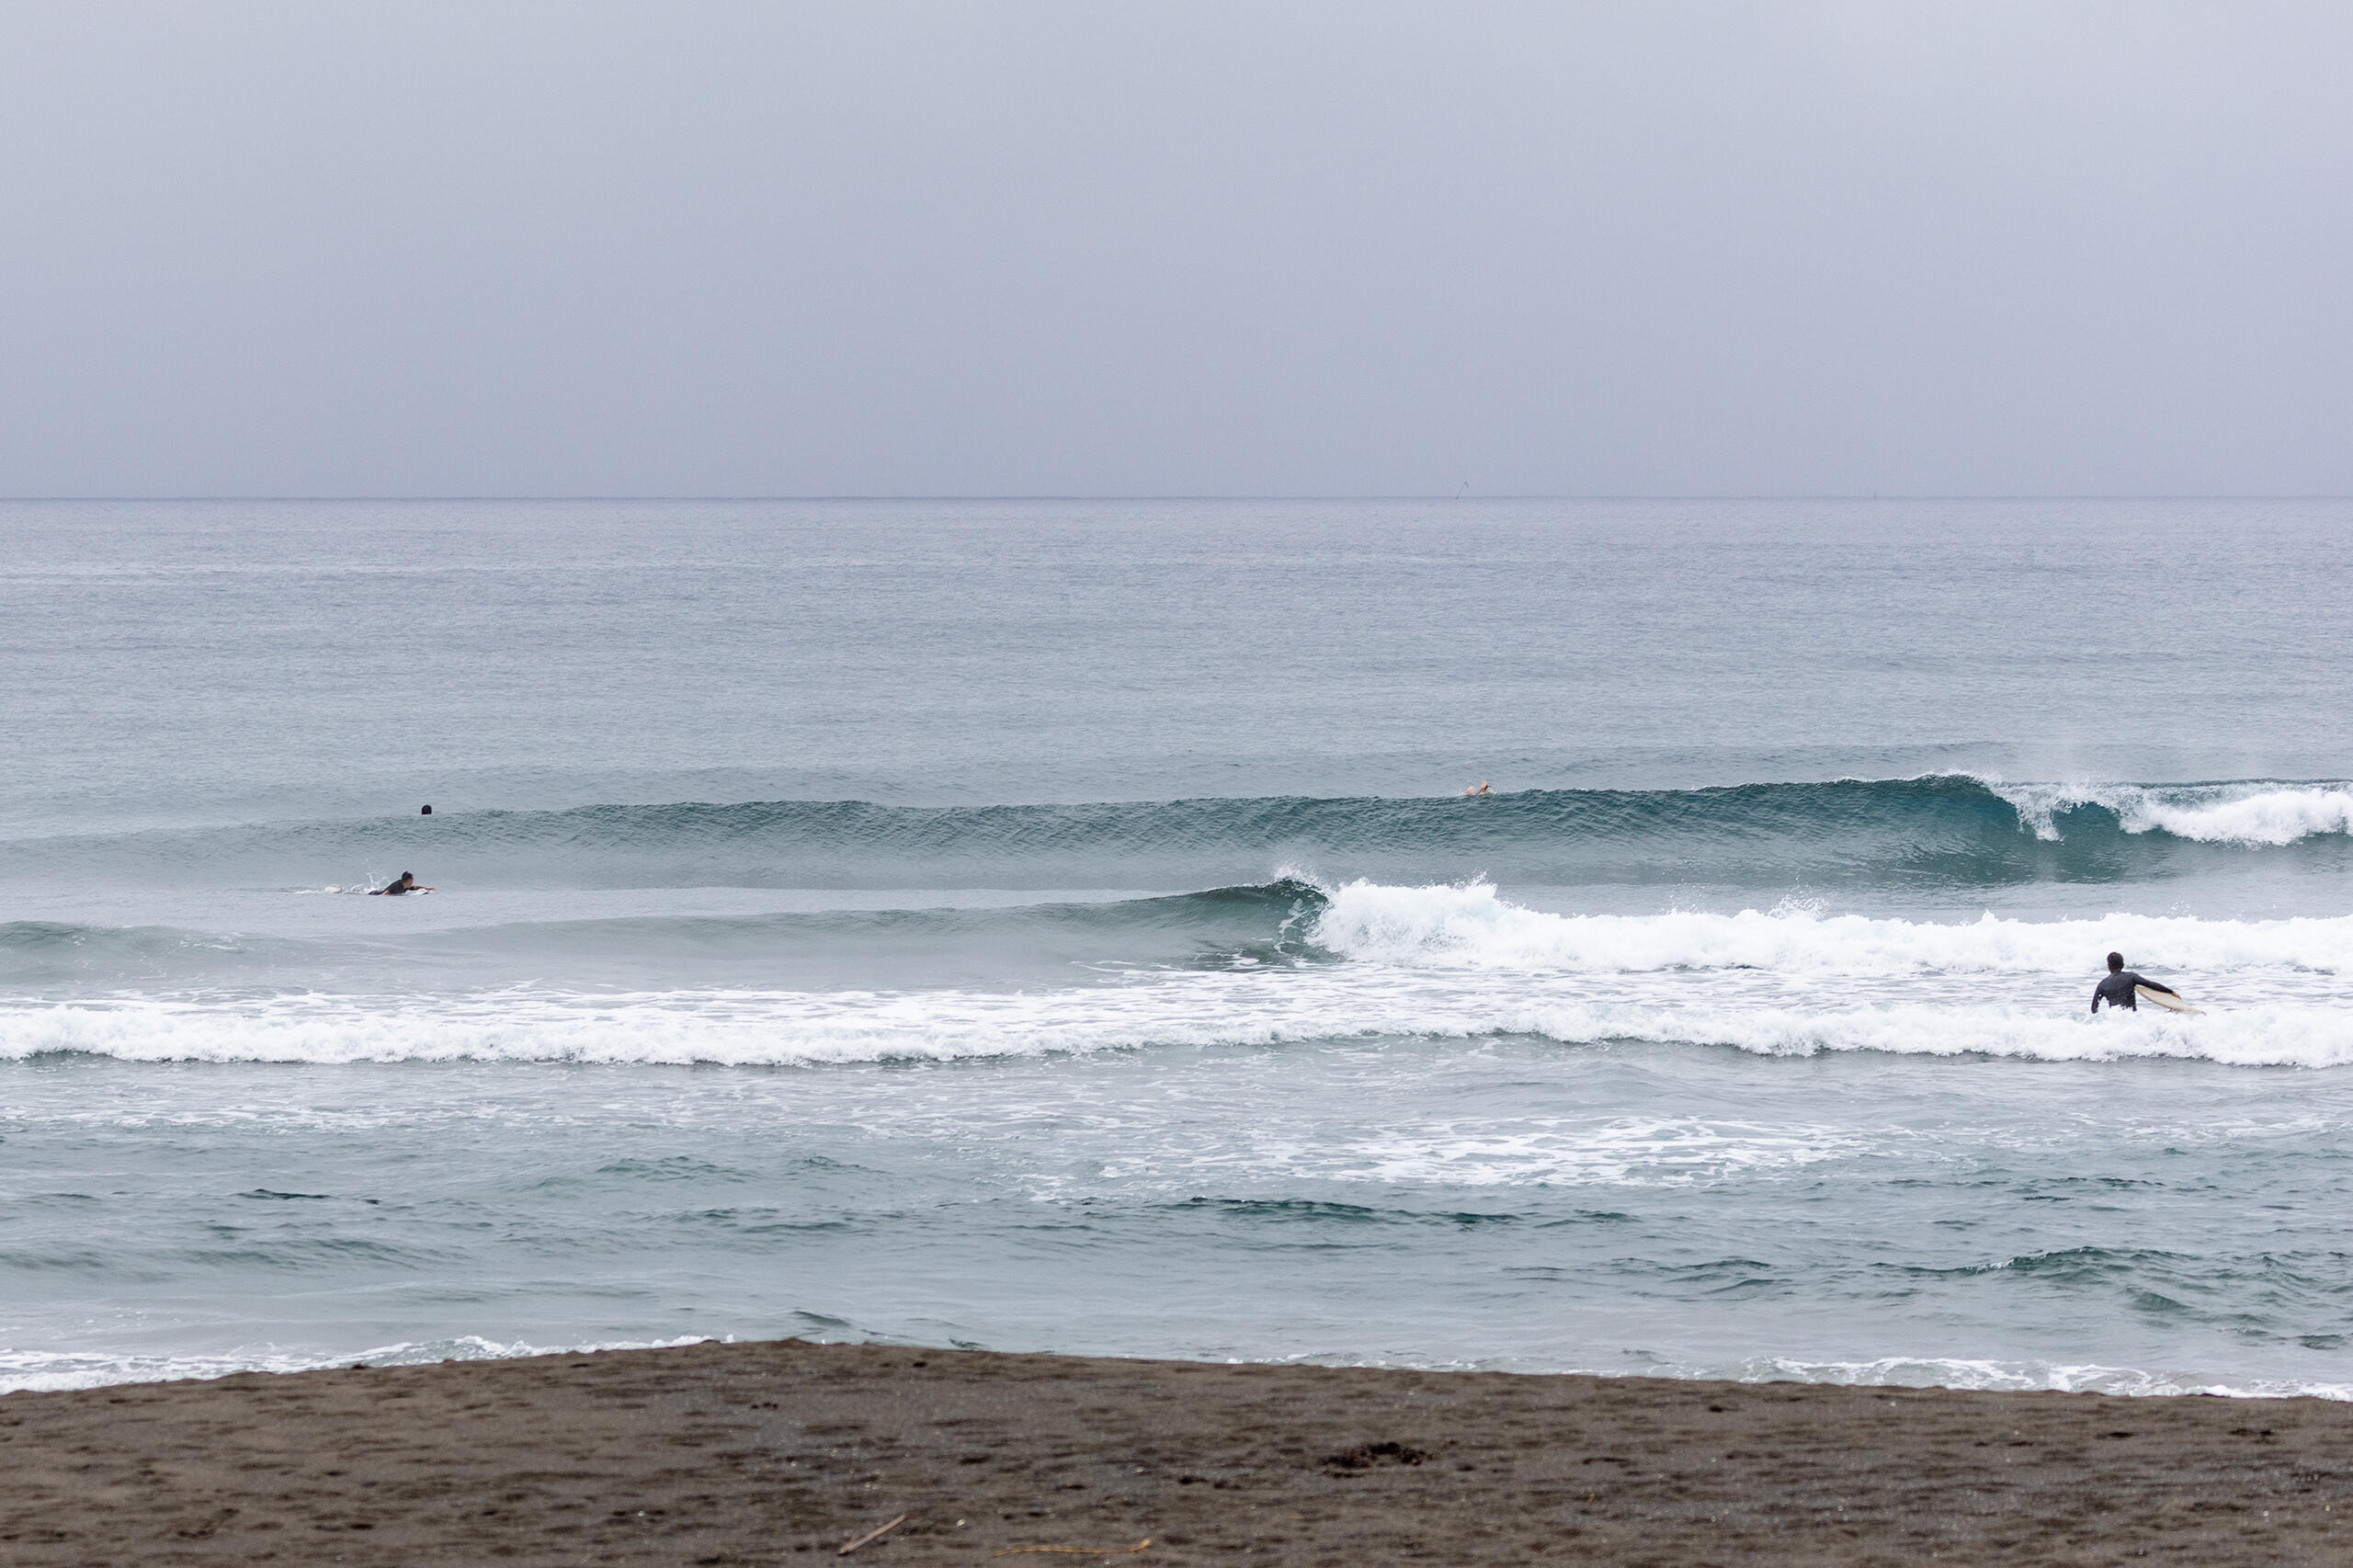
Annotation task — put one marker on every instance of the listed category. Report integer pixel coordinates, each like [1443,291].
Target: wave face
[1219,928]
[1948,831]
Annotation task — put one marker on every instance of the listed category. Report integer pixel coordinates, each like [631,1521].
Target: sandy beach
[783,1452]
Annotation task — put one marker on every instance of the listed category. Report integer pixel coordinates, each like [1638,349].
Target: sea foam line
[2010,1377]
[47,1371]
[1278,1011]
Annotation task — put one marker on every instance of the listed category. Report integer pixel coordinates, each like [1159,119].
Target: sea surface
[1060,925]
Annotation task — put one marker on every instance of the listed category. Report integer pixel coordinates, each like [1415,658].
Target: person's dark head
[2116,963]
[408,880]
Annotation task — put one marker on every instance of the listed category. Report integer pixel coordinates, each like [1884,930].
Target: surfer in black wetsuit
[2117,989]
[404,882]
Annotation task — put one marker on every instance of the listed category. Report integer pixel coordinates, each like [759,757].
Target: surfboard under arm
[2170,1003]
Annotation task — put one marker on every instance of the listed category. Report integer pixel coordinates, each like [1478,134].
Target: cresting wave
[1936,830]
[1265,922]
[1288,923]
[1470,926]
[1269,965]
[2249,813]
[1440,961]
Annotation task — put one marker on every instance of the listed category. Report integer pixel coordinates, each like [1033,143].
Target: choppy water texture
[1059,925]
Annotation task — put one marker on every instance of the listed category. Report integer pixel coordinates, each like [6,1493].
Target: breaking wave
[1470,926]
[2243,815]
[1945,830]
[1257,966]
[1438,961]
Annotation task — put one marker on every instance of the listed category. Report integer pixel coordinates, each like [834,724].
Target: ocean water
[1060,926]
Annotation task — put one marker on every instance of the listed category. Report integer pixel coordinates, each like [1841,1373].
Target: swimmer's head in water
[2115,963]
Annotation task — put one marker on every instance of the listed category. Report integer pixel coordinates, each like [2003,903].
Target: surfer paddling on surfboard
[404,882]
[2122,987]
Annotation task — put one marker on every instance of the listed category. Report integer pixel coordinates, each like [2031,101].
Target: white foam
[2252,813]
[1468,925]
[1443,962]
[2012,1377]
[1257,1009]
[1622,1152]
[49,1371]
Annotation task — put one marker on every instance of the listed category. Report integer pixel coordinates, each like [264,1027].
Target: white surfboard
[2169,1003]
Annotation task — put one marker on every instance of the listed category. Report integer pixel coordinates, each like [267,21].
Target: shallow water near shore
[1502,1202]
[1058,926]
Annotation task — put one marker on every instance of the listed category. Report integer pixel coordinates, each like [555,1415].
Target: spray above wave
[1919,832]
[2257,814]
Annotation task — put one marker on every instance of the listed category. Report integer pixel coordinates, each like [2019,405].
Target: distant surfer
[404,882]
[2117,989]
[1479,788]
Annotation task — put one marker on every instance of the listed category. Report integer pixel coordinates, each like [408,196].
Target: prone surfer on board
[2117,989]
[404,882]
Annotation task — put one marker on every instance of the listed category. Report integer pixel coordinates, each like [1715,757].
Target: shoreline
[784,1450]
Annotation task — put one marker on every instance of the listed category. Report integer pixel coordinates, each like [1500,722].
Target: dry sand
[781,1453]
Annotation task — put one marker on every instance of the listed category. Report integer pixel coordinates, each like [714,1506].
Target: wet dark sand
[781,1453]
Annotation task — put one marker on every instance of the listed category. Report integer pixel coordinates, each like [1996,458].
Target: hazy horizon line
[1224,495]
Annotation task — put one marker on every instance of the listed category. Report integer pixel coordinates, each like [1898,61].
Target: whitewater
[1361,960]
[1060,926]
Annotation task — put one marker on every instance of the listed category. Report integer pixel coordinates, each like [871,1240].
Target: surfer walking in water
[404,882]
[2117,989]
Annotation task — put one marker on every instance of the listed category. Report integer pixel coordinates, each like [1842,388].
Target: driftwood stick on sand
[1078,1551]
[875,1534]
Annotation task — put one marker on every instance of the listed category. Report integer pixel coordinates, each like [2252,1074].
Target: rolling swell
[1266,924]
[1936,831]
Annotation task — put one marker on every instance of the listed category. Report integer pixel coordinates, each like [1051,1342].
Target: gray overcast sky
[878,248]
